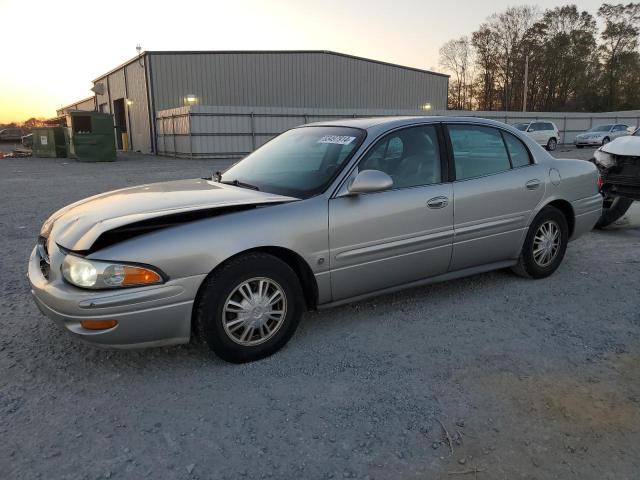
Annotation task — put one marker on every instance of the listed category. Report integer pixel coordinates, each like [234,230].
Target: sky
[53,49]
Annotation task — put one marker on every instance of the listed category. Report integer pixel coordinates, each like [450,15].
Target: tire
[605,140]
[552,144]
[579,146]
[613,209]
[224,292]
[529,264]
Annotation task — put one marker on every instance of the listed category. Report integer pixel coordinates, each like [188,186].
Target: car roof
[393,122]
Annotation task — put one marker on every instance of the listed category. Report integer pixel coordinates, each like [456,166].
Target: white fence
[210,132]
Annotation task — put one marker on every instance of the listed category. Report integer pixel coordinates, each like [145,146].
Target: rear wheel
[613,209]
[249,307]
[545,244]
[552,144]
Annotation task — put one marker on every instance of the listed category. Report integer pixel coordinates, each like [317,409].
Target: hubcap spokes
[546,243]
[254,311]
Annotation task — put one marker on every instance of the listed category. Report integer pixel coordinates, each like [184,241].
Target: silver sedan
[319,216]
[601,135]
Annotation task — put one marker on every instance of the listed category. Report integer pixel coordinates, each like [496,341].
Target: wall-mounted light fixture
[129,102]
[190,99]
[426,106]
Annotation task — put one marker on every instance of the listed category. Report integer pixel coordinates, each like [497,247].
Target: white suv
[544,133]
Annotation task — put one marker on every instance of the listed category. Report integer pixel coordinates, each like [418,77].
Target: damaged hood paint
[77,226]
[625,146]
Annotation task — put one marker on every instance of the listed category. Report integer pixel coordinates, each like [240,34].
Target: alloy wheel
[254,311]
[546,243]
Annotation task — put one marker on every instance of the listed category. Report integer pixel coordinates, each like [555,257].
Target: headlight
[85,273]
[604,159]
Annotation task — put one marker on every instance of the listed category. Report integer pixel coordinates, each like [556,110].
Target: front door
[496,190]
[384,239]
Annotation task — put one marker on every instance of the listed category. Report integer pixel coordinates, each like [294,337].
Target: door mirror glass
[369,181]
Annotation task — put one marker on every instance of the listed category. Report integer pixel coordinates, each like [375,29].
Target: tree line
[576,61]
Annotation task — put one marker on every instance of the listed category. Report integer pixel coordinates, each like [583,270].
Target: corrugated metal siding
[87,105]
[291,79]
[210,131]
[117,86]
[138,118]
[132,88]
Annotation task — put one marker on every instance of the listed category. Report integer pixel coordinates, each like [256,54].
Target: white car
[543,133]
[618,163]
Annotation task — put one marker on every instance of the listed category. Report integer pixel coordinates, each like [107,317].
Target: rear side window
[517,151]
[477,151]
[548,126]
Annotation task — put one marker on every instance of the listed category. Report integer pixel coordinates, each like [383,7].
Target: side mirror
[368,181]
[529,129]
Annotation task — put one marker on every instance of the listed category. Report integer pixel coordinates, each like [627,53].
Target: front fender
[198,247]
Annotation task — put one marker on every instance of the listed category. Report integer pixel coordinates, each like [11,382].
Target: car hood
[627,146]
[77,226]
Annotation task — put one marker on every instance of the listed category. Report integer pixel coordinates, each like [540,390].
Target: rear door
[538,133]
[389,238]
[496,189]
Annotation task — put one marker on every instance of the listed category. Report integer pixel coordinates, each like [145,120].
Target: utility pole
[526,81]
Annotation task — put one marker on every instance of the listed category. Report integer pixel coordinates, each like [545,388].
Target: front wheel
[552,144]
[249,307]
[579,146]
[613,209]
[545,244]
[605,141]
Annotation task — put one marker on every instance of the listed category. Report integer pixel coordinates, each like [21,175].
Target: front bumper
[147,316]
[588,142]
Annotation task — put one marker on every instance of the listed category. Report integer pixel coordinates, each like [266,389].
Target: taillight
[600,183]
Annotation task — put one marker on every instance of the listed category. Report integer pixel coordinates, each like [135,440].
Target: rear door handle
[438,202]
[532,184]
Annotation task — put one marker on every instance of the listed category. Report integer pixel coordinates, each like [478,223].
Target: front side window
[411,157]
[620,128]
[477,151]
[300,162]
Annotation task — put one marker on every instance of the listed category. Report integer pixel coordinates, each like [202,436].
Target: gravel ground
[531,379]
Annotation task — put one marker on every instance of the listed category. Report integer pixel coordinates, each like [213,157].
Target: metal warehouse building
[197,103]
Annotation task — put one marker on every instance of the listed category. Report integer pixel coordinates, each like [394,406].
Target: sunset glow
[52,50]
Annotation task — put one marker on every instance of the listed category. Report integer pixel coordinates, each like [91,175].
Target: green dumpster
[50,142]
[92,137]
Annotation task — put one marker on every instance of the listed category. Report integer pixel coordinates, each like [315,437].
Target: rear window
[477,151]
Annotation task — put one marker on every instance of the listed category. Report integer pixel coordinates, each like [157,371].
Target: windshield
[521,126]
[299,163]
[600,128]
[637,133]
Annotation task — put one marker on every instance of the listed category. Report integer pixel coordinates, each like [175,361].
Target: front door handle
[532,184]
[438,202]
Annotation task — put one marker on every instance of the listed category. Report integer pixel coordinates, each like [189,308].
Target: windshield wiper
[238,183]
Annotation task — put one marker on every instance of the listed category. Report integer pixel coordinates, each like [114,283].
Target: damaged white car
[619,165]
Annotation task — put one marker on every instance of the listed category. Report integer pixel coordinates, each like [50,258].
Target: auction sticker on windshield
[337,139]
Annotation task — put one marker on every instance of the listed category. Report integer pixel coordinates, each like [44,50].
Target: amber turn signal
[98,324]
[139,276]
